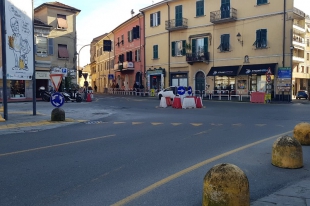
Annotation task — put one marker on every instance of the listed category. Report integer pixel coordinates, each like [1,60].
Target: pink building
[129,53]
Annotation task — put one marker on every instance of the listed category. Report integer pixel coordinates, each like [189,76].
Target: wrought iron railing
[197,57]
[176,24]
[223,15]
[299,12]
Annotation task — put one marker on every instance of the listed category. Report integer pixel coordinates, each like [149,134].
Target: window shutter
[263,36]
[183,47]
[50,46]
[173,48]
[134,33]
[258,39]
[151,18]
[136,55]
[227,42]
[222,42]
[205,45]
[194,46]
[138,32]
[154,52]
[199,8]
[158,18]
[130,56]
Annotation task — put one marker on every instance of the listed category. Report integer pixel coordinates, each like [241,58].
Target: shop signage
[42,75]
[256,71]
[223,73]
[284,73]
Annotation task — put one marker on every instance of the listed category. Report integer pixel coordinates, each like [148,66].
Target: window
[63,51]
[155,19]
[307,71]
[199,7]
[130,37]
[50,46]
[178,48]
[261,38]
[41,46]
[121,58]
[155,52]
[224,46]
[122,39]
[200,47]
[308,44]
[308,56]
[259,2]
[137,55]
[136,32]
[62,21]
[129,56]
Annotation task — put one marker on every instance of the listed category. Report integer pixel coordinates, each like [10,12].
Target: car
[302,94]
[171,92]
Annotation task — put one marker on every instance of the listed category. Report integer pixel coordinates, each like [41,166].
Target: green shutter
[154,52]
[263,36]
[227,42]
[183,47]
[194,46]
[158,18]
[151,19]
[200,8]
[258,38]
[173,48]
[205,45]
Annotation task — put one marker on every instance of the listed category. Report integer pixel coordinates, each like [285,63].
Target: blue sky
[101,16]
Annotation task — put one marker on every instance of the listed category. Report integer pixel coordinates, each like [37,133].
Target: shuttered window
[261,38]
[155,52]
[262,2]
[199,7]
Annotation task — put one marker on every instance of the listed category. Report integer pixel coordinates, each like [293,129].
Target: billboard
[19,39]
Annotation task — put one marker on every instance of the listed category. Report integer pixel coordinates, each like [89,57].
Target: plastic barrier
[199,102]
[88,99]
[177,103]
[168,101]
[163,102]
[257,97]
[188,102]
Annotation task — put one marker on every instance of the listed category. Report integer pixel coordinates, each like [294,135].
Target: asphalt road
[135,153]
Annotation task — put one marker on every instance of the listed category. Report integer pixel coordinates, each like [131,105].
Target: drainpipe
[284,27]
[168,46]
[142,71]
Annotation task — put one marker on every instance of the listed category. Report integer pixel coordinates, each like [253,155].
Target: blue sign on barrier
[189,90]
[57,99]
[181,90]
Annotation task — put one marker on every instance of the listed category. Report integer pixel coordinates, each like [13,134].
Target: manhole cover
[94,122]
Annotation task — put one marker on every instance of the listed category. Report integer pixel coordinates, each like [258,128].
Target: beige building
[227,47]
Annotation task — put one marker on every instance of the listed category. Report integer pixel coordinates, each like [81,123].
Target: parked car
[302,94]
[171,92]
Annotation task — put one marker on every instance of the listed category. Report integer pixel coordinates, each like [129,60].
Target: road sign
[268,75]
[57,99]
[284,73]
[181,90]
[56,80]
[269,71]
[189,90]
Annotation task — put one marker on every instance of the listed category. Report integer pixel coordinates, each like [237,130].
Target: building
[60,44]
[129,53]
[225,47]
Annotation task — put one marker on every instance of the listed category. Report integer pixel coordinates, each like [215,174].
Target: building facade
[228,46]
[129,53]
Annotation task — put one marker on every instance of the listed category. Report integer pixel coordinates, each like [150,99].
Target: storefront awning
[257,69]
[223,71]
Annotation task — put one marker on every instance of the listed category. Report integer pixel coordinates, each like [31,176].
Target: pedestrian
[95,87]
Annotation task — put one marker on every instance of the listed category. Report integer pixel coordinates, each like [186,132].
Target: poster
[19,39]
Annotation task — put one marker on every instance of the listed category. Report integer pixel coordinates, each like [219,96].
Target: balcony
[297,59]
[191,58]
[176,24]
[221,16]
[118,67]
[298,14]
[299,42]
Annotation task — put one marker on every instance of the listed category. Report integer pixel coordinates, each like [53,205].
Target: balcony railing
[176,24]
[197,57]
[299,12]
[221,16]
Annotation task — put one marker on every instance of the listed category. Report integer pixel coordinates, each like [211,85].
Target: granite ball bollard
[302,133]
[58,114]
[287,153]
[226,184]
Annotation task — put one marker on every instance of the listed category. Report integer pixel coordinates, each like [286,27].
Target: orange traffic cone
[177,103]
[199,102]
[168,101]
[88,99]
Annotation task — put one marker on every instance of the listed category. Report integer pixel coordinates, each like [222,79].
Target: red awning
[63,52]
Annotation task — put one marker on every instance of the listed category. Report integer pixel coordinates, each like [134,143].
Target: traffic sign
[181,90]
[189,90]
[57,99]
[56,80]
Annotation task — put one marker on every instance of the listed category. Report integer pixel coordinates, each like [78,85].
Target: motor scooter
[45,95]
[68,98]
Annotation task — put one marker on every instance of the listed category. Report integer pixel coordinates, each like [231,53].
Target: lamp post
[291,89]
[79,53]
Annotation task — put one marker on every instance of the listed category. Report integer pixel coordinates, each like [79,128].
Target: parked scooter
[76,97]
[45,95]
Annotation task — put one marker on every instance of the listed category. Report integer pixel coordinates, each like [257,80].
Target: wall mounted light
[239,38]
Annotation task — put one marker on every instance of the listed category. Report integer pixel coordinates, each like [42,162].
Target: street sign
[56,80]
[181,90]
[268,75]
[284,73]
[189,90]
[111,76]
[57,99]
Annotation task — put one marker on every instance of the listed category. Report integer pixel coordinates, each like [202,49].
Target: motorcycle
[77,97]
[45,95]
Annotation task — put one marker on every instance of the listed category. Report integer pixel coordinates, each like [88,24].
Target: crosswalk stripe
[196,124]
[135,123]
[176,124]
[156,123]
[119,122]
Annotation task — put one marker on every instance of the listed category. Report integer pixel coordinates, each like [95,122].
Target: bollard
[287,153]
[225,184]
[58,114]
[302,133]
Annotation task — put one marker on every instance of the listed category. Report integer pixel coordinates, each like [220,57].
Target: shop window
[261,38]
[62,21]
[224,83]
[178,48]
[199,7]
[155,19]
[17,88]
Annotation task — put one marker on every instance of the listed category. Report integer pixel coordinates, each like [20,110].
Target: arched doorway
[200,83]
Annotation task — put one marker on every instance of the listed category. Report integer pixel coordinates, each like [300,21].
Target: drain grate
[94,122]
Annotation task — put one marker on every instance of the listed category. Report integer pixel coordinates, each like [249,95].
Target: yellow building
[227,46]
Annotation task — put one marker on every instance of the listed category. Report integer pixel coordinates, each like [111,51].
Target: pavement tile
[301,190]
[279,200]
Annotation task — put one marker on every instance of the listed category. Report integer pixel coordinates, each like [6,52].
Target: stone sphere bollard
[287,153]
[226,184]
[302,133]
[58,114]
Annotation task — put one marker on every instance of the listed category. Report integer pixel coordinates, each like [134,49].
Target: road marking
[216,124]
[196,124]
[119,122]
[260,125]
[135,123]
[156,123]
[56,145]
[176,124]
[238,124]
[190,169]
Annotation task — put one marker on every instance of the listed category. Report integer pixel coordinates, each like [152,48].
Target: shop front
[155,79]
[42,80]
[179,79]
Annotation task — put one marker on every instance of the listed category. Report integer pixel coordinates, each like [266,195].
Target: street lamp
[79,53]
[291,89]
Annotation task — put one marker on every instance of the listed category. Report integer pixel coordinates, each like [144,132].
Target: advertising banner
[19,39]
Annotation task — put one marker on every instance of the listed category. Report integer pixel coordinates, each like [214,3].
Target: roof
[125,22]
[155,5]
[57,5]
[38,22]
[98,38]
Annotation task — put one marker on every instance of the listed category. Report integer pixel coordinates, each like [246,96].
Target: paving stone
[278,200]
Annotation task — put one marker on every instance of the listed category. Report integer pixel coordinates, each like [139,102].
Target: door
[225,9]
[178,16]
[200,83]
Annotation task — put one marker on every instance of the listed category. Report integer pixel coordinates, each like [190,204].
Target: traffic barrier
[163,102]
[88,99]
[189,102]
[257,97]
[177,103]
[225,184]
[168,101]
[199,102]
[302,133]
[1,118]
[287,153]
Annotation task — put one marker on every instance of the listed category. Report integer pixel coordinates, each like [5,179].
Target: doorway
[200,83]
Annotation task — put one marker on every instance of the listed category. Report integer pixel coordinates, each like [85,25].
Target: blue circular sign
[181,90]
[57,99]
[189,90]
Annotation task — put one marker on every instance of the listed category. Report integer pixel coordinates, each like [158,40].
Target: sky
[102,16]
